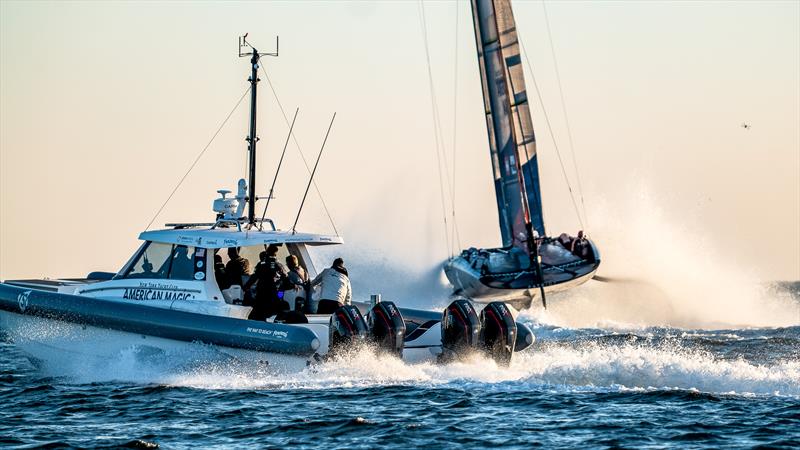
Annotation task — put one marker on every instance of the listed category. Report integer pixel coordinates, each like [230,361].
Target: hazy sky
[103,107]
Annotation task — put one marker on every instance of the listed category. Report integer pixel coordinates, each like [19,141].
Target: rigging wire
[550,129]
[455,131]
[302,156]
[278,170]
[183,178]
[564,110]
[439,140]
[303,202]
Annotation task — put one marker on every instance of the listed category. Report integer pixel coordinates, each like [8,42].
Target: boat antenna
[246,49]
[314,171]
[278,170]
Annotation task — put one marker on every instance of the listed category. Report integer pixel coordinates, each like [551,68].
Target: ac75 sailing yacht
[530,263]
[166,297]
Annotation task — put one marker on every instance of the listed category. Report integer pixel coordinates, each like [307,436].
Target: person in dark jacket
[581,247]
[269,276]
[237,268]
[219,273]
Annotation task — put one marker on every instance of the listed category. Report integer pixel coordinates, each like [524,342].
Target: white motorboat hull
[61,330]
[58,345]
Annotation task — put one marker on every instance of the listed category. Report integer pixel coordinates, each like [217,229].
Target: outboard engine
[498,332]
[460,330]
[525,337]
[346,328]
[387,330]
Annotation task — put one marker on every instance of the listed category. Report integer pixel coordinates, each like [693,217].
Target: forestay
[508,120]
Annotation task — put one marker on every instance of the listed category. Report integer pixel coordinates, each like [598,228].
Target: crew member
[581,247]
[296,285]
[219,273]
[237,268]
[269,275]
[565,240]
[335,290]
[182,266]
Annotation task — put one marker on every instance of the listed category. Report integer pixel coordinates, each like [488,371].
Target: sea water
[608,385]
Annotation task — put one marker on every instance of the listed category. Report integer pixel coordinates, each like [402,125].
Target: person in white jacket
[335,290]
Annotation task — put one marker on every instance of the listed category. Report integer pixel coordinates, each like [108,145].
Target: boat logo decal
[151,285]
[22,300]
[273,333]
[155,294]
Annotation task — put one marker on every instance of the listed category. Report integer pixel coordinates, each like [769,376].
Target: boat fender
[498,332]
[460,330]
[346,329]
[387,329]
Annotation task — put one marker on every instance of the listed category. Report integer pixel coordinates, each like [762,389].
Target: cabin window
[168,261]
[251,254]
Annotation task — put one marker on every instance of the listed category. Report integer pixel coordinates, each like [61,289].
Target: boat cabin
[174,268]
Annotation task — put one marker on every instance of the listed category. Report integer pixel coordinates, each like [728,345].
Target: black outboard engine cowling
[498,332]
[346,329]
[460,330]
[387,329]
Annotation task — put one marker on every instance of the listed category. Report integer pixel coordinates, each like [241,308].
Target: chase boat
[166,297]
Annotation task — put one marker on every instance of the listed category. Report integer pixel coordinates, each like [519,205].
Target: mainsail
[508,121]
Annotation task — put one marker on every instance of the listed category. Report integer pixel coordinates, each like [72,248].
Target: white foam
[586,367]
[642,366]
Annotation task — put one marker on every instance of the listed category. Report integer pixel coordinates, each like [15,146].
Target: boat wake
[574,363]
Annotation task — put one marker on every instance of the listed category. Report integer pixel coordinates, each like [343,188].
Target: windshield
[169,261]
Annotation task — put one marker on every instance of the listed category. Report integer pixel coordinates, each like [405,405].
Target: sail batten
[512,141]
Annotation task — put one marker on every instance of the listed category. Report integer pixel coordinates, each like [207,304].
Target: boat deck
[48,284]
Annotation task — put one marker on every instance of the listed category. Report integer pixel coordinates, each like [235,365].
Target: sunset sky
[103,107]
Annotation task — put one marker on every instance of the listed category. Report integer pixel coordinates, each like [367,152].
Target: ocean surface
[590,387]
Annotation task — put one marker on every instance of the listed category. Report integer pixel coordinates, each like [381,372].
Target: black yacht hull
[517,287]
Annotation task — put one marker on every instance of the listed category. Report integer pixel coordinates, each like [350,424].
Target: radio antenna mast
[247,49]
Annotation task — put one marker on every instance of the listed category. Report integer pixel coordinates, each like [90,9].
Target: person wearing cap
[335,290]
